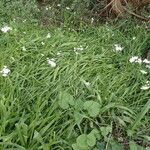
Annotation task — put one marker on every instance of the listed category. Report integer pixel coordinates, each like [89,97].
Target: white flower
[24,48]
[46,8]
[86,83]
[146,61]
[78,49]
[48,36]
[42,43]
[139,60]
[58,5]
[6,29]
[92,20]
[143,71]
[24,20]
[118,48]
[145,87]
[147,66]
[147,82]
[134,38]
[68,8]
[135,59]
[51,62]
[5,71]
[58,53]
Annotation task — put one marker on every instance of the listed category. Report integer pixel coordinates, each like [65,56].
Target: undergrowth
[72,88]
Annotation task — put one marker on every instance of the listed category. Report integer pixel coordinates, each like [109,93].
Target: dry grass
[118,8]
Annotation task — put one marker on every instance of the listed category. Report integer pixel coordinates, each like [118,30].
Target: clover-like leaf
[92,107]
[82,142]
[65,99]
[91,139]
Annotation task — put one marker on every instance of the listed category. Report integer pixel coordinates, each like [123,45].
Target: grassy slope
[30,115]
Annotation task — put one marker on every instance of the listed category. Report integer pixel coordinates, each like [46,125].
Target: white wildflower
[118,48]
[46,8]
[139,60]
[5,71]
[78,49]
[42,43]
[146,61]
[58,53]
[24,20]
[68,8]
[134,38]
[23,48]
[92,20]
[58,5]
[51,62]
[6,29]
[48,36]
[145,87]
[135,59]
[143,71]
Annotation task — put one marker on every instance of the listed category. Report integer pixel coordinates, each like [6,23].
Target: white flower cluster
[118,48]
[6,29]
[77,50]
[136,59]
[5,71]
[146,86]
[51,62]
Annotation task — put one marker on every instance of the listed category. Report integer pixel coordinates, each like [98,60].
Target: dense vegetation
[67,83]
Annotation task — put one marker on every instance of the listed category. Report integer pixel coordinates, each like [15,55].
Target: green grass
[44,107]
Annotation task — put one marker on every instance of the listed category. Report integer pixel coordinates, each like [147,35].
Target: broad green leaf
[92,107]
[65,99]
[82,141]
[105,131]
[96,133]
[91,140]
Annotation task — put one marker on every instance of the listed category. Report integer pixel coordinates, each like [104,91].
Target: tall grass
[91,99]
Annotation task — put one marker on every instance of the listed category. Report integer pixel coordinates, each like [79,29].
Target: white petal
[5,71]
[133,59]
[145,87]
[146,61]
[48,36]
[143,71]
[51,62]
[6,29]
[118,48]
